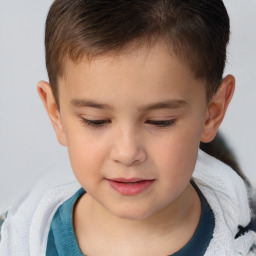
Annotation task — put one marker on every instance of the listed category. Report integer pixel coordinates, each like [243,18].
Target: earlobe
[217,108]
[45,92]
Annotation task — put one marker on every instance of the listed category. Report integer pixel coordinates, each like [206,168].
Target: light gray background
[28,147]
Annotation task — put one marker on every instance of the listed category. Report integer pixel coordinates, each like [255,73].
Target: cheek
[177,155]
[178,161]
[87,156]
[177,168]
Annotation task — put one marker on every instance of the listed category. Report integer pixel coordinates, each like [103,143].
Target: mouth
[130,187]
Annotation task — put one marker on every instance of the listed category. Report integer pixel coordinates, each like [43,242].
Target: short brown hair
[196,30]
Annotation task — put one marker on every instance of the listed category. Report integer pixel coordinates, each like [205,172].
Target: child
[134,87]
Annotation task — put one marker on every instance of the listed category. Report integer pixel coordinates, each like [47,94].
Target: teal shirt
[62,240]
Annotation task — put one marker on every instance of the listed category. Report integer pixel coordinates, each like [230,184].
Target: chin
[132,213]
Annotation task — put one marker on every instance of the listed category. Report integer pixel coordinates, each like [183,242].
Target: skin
[150,114]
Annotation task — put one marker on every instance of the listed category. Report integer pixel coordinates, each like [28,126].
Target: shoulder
[27,224]
[215,175]
[227,195]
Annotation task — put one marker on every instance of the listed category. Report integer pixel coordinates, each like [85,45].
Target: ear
[217,108]
[45,92]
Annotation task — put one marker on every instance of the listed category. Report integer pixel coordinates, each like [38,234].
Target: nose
[128,149]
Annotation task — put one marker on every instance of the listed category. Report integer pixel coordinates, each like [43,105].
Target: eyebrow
[80,103]
[169,104]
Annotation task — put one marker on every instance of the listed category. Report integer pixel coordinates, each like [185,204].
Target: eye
[95,123]
[161,123]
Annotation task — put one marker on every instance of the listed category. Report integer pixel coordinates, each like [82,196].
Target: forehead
[146,69]
[134,53]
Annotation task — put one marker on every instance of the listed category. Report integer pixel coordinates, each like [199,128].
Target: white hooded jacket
[25,231]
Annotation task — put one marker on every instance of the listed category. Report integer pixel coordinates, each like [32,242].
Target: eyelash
[94,123]
[101,123]
[162,123]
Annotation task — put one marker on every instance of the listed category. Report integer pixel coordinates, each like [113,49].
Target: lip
[130,187]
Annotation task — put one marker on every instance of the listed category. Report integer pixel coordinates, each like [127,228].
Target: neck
[171,227]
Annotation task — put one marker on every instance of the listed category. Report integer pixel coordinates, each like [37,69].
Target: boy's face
[132,125]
